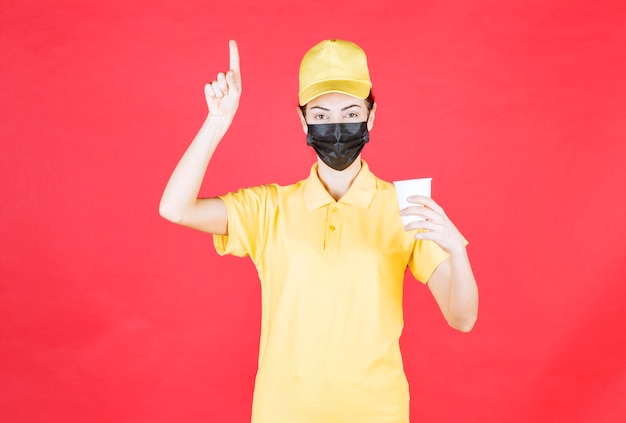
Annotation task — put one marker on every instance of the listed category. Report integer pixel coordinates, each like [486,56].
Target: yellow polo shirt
[331,274]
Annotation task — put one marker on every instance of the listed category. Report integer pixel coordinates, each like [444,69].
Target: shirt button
[332,227]
[335,209]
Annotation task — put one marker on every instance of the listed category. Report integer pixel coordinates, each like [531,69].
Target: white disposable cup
[408,188]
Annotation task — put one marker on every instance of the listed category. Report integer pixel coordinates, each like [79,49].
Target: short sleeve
[425,258]
[247,222]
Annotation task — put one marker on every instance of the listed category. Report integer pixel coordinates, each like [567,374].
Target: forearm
[462,301]
[181,191]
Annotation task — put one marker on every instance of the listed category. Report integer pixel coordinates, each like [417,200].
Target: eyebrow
[328,110]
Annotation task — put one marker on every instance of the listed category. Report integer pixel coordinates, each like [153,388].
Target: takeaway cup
[407,188]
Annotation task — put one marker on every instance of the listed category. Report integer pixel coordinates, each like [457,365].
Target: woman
[331,251]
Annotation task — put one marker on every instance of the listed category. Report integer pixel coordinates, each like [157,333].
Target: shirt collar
[360,194]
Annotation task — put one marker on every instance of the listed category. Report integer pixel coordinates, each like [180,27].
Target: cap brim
[358,89]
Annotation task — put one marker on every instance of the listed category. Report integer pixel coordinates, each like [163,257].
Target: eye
[352,115]
[319,116]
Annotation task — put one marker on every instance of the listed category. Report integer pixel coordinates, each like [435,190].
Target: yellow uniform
[331,275]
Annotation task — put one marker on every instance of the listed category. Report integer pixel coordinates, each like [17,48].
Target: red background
[108,313]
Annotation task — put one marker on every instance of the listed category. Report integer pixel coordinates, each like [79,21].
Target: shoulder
[384,188]
[258,193]
[267,193]
[385,201]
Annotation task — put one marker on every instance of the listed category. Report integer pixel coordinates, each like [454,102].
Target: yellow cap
[334,66]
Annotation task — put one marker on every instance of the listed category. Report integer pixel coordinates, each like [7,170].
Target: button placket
[333,227]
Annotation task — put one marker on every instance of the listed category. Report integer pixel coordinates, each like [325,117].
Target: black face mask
[338,144]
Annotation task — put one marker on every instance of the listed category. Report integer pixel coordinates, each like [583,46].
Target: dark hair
[369,100]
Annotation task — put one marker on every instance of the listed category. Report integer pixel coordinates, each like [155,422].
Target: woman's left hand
[435,225]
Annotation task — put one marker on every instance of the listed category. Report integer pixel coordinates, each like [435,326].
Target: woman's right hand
[222,95]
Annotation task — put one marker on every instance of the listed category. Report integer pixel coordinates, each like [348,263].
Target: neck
[338,182]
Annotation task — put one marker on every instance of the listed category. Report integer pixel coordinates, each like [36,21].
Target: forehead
[333,101]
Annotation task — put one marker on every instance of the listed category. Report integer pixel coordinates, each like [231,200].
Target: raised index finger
[234,55]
